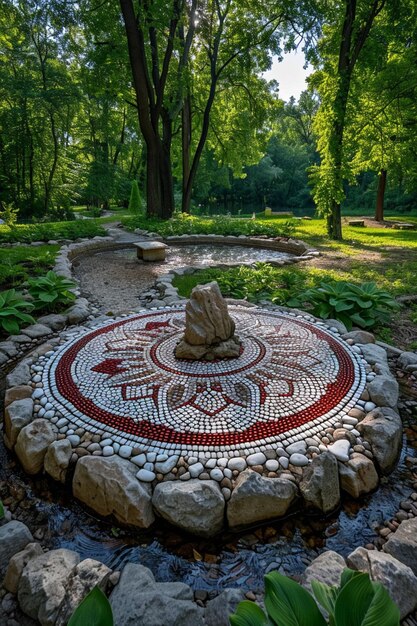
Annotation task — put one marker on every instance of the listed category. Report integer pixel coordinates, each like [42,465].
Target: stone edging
[366,440]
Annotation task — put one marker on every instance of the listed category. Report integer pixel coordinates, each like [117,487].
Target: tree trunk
[334,222]
[186,148]
[159,183]
[379,209]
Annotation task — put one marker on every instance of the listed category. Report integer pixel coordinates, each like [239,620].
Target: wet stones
[17,415]
[397,578]
[139,599]
[33,442]
[358,476]
[14,537]
[403,544]
[320,483]
[256,498]
[57,459]
[109,486]
[382,428]
[195,506]
[42,585]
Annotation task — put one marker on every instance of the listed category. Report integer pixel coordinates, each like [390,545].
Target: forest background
[96,94]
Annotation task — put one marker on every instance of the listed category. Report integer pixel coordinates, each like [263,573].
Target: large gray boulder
[219,609]
[43,584]
[20,375]
[17,563]
[32,444]
[382,428]
[407,358]
[384,390]
[326,568]
[375,355]
[108,485]
[403,543]
[397,578]
[16,416]
[256,499]
[86,575]
[358,476]
[320,483]
[57,459]
[14,536]
[138,599]
[196,506]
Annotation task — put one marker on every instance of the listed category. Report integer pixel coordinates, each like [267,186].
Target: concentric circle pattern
[291,377]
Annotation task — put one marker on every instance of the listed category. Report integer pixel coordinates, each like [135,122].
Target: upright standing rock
[209,329]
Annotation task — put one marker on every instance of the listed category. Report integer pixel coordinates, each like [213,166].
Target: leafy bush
[94,610]
[182,223]
[253,284]
[135,201]
[356,602]
[364,305]
[14,312]
[9,215]
[51,292]
[17,264]
[26,233]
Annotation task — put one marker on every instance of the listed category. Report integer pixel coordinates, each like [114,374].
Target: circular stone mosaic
[292,377]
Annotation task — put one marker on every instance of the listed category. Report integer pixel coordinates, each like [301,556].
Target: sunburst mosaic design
[291,377]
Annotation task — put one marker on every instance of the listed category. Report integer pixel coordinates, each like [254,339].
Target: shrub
[135,201]
[14,312]
[9,215]
[51,292]
[356,602]
[94,610]
[182,223]
[26,233]
[364,305]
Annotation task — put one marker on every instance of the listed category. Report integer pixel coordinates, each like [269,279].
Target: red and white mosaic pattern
[293,377]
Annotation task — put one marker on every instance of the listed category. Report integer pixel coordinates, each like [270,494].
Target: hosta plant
[94,610]
[361,305]
[356,602]
[51,292]
[14,312]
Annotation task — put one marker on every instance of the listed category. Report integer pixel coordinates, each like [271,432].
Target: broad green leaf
[249,614]
[48,297]
[325,595]
[383,611]
[94,610]
[289,604]
[361,604]
[347,575]
[1,510]
[343,306]
[11,326]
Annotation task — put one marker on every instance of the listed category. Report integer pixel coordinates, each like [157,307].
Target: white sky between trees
[290,74]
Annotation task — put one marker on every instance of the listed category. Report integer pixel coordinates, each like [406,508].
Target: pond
[229,560]
[114,279]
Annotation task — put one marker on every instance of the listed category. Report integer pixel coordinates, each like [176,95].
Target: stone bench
[356,222]
[151,250]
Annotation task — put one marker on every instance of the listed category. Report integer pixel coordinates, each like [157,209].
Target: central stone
[209,329]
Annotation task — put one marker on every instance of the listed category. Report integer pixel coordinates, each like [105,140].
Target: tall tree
[341,47]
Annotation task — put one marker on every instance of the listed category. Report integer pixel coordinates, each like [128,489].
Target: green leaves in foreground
[363,305]
[51,292]
[94,610]
[357,602]
[14,312]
